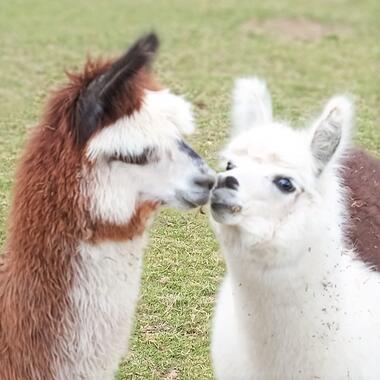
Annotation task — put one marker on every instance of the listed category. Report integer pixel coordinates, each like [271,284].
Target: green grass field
[306,50]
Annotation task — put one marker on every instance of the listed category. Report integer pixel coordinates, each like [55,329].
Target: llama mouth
[225,213]
[232,208]
[222,201]
[189,203]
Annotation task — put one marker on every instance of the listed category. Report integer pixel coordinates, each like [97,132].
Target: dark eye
[284,184]
[230,165]
[147,156]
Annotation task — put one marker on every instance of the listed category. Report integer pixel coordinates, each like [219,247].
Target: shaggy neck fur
[49,226]
[37,271]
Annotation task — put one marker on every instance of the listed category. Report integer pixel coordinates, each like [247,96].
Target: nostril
[231,183]
[207,181]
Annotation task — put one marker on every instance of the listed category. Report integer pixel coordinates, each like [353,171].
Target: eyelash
[146,157]
[134,160]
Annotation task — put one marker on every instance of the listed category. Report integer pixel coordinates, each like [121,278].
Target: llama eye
[148,156]
[230,165]
[284,184]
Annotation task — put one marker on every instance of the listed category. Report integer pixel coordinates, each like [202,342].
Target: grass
[206,44]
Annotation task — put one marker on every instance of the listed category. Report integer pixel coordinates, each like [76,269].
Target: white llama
[296,303]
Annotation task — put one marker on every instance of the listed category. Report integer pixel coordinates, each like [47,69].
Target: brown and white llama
[107,153]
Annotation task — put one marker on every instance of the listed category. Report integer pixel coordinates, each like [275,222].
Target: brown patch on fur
[131,94]
[46,221]
[362,177]
[48,218]
[135,227]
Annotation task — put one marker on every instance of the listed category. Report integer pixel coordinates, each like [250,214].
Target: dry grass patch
[290,29]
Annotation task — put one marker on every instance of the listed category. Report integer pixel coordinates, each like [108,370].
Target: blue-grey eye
[230,166]
[284,184]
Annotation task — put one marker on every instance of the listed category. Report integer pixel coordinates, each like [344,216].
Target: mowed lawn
[307,51]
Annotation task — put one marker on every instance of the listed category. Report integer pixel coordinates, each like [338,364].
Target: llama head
[278,180]
[130,133]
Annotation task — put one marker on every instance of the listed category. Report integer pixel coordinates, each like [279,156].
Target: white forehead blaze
[273,144]
[162,117]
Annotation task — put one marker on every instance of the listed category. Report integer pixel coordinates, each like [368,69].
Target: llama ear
[331,133]
[252,104]
[102,91]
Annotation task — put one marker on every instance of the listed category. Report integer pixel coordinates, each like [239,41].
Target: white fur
[104,297]
[115,188]
[341,110]
[296,303]
[252,104]
[161,118]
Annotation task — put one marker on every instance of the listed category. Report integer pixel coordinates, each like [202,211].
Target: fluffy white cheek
[157,181]
[298,224]
[112,192]
[258,230]
[262,222]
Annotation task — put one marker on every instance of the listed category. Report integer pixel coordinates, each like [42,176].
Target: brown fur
[47,220]
[362,177]
[128,100]
[105,231]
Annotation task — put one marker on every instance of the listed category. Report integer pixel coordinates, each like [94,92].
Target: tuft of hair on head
[252,104]
[331,133]
[178,110]
[98,97]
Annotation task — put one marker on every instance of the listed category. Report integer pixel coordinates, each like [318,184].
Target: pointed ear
[252,104]
[95,100]
[332,132]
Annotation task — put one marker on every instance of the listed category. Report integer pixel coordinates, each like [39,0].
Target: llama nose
[229,182]
[207,181]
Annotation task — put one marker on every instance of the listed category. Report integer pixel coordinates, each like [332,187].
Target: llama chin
[106,154]
[296,303]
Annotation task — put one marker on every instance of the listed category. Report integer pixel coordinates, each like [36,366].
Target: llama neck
[46,222]
[103,298]
[302,296]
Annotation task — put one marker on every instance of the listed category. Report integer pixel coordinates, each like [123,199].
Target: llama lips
[224,201]
[234,209]
[191,200]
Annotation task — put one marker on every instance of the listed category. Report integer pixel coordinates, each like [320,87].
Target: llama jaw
[198,193]
[193,199]
[224,206]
